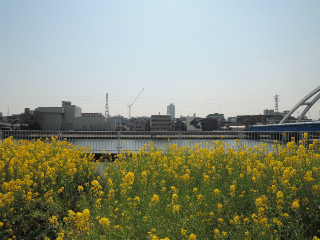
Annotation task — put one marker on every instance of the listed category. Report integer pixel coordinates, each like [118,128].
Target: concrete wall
[52,118]
[89,123]
[68,117]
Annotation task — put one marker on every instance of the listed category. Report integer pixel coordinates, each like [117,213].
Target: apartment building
[160,122]
[140,124]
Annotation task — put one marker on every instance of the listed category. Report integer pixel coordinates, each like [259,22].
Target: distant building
[160,123]
[232,119]
[193,124]
[140,124]
[171,109]
[210,124]
[10,122]
[220,121]
[180,124]
[268,112]
[69,117]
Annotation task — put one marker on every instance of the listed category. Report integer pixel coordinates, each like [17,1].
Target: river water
[116,145]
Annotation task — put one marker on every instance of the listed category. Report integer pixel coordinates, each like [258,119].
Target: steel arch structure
[305,101]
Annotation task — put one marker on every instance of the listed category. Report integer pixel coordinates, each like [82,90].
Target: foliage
[227,192]
[39,179]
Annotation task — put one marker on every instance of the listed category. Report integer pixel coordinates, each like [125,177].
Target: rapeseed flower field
[49,190]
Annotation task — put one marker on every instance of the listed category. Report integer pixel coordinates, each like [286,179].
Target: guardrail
[114,142]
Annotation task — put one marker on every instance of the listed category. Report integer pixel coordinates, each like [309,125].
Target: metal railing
[116,141]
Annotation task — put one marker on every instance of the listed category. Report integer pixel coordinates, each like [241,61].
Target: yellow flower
[308,176]
[232,190]
[264,222]
[104,222]
[205,178]
[54,221]
[155,198]
[200,197]
[246,220]
[176,208]
[295,204]
[129,178]
[192,237]
[216,192]
[219,206]
[186,177]
[61,190]
[216,234]
[279,194]
[80,189]
[236,219]
[183,232]
[137,199]
[144,174]
[174,197]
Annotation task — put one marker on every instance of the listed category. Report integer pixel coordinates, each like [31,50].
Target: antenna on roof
[107,107]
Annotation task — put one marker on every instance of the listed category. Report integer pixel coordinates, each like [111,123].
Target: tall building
[171,110]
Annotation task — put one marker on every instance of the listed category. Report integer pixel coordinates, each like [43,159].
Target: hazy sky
[204,56]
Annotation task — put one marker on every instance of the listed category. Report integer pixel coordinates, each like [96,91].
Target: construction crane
[129,106]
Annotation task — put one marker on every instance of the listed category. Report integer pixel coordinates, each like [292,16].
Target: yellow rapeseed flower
[104,222]
[174,197]
[279,194]
[216,192]
[129,178]
[155,198]
[295,205]
[192,237]
[176,208]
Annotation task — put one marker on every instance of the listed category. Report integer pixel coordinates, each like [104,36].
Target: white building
[70,117]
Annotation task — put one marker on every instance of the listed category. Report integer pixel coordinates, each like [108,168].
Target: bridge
[308,101]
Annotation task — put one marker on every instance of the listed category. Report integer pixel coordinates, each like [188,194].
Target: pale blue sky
[230,57]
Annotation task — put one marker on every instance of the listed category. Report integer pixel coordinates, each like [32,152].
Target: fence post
[1,135]
[119,143]
[179,139]
[59,135]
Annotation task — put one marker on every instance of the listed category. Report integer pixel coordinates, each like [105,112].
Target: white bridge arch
[305,101]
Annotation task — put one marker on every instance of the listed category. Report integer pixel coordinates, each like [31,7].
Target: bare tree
[30,120]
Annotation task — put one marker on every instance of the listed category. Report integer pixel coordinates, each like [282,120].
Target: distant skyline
[229,57]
